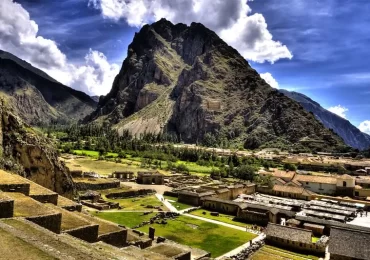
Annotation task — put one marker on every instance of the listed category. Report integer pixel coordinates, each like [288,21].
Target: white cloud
[365,127]
[231,19]
[339,110]
[19,35]
[270,79]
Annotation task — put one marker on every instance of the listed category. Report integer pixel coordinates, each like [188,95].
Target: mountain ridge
[350,134]
[184,80]
[38,98]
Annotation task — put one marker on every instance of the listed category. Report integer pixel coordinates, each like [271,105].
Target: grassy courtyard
[213,238]
[222,217]
[176,204]
[128,219]
[273,253]
[138,204]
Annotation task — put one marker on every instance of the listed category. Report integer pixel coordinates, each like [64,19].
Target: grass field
[273,253]
[128,219]
[213,238]
[222,217]
[136,162]
[176,204]
[138,203]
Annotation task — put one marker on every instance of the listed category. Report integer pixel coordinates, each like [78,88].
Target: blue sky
[316,47]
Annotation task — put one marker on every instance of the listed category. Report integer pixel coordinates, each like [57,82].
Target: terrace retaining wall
[118,238]
[51,222]
[46,198]
[81,186]
[20,188]
[86,233]
[130,193]
[6,208]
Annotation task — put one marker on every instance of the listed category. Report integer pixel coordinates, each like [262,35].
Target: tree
[290,167]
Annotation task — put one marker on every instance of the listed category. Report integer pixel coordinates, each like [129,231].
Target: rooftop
[289,233]
[349,243]
[316,179]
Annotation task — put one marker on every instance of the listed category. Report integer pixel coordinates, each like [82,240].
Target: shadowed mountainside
[36,97]
[351,135]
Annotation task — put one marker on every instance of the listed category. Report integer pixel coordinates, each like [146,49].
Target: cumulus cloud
[19,35]
[365,127]
[270,79]
[339,110]
[231,19]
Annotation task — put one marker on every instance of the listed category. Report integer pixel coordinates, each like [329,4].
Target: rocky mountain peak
[187,81]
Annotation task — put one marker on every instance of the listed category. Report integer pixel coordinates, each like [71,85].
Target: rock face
[351,135]
[185,80]
[36,97]
[31,155]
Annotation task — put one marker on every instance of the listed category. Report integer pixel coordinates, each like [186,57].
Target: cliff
[30,154]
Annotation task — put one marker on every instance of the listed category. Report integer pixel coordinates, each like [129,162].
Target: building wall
[260,218]
[189,199]
[118,238]
[320,188]
[222,207]
[224,195]
[295,246]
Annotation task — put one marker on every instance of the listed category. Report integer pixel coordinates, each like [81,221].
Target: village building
[220,205]
[349,244]
[150,178]
[292,192]
[123,175]
[318,184]
[296,239]
[193,198]
[345,185]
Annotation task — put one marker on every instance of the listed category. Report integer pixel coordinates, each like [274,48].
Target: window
[344,184]
[306,183]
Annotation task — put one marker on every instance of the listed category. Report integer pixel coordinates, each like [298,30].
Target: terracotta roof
[294,183]
[281,181]
[315,179]
[349,243]
[222,190]
[289,233]
[283,174]
[345,177]
[292,190]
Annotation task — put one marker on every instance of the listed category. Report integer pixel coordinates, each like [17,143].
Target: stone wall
[255,217]
[50,222]
[118,238]
[130,193]
[86,233]
[221,206]
[6,208]
[189,199]
[310,248]
[75,207]
[81,186]
[20,188]
[171,193]
[183,256]
[46,198]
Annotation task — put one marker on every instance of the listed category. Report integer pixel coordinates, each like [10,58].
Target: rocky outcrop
[36,97]
[351,135]
[185,80]
[31,155]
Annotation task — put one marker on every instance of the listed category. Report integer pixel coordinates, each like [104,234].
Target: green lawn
[94,154]
[178,205]
[138,203]
[210,237]
[222,217]
[128,219]
[272,253]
